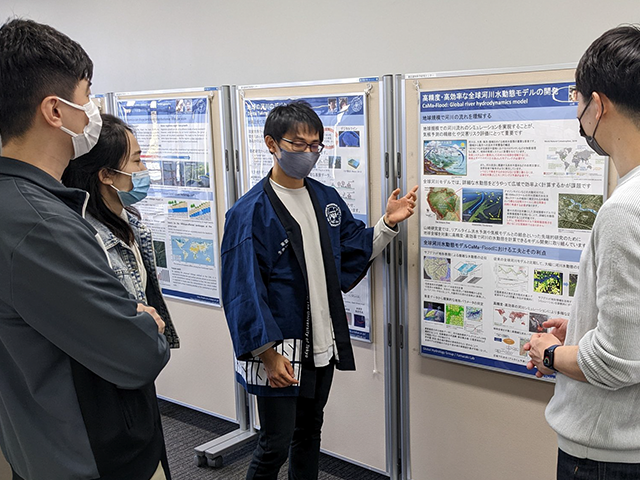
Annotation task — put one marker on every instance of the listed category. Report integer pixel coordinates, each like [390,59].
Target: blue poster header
[343,109]
[531,251]
[529,96]
[173,110]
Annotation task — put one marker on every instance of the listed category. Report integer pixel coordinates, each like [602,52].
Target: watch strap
[549,357]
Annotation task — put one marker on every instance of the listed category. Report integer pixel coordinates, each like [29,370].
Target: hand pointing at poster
[399,209]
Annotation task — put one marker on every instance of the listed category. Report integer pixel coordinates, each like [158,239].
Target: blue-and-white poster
[175,140]
[509,193]
[343,164]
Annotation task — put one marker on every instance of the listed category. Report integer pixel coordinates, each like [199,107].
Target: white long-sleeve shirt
[600,419]
[298,202]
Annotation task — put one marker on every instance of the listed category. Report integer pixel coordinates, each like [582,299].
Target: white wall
[143,44]
[163,44]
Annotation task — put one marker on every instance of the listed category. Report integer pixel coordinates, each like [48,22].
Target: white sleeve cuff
[382,236]
[262,349]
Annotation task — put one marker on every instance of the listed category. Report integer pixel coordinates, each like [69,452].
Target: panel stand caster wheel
[215,462]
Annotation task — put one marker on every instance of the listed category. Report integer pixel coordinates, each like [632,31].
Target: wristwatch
[547,359]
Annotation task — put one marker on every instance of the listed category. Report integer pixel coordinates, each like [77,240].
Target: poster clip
[368,89]
[416,83]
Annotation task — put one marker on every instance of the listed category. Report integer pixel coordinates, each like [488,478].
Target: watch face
[545,362]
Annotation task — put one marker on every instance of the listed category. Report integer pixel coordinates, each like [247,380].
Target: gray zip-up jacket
[77,361]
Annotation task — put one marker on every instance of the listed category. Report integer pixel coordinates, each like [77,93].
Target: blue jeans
[573,468]
[290,427]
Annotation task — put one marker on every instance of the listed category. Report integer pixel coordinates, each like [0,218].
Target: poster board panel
[509,193]
[351,390]
[343,164]
[200,373]
[484,403]
[175,137]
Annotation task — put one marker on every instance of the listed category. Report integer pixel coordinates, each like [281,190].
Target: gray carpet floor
[186,429]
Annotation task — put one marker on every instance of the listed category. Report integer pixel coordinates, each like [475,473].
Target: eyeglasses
[302,146]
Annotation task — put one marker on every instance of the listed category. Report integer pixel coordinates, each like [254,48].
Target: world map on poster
[192,250]
[573,160]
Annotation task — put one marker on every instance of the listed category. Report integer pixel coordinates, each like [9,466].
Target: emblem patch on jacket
[333,214]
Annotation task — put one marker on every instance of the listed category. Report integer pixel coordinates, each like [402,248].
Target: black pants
[290,427]
[573,468]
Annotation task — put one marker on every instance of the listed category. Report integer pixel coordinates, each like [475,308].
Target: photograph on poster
[437,268]
[332,105]
[535,322]
[434,312]
[349,138]
[445,203]
[473,320]
[482,205]
[573,283]
[577,210]
[547,282]
[335,162]
[455,315]
[160,251]
[445,157]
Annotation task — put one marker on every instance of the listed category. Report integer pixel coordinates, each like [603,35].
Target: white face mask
[85,141]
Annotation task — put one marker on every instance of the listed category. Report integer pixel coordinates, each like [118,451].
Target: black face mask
[591,139]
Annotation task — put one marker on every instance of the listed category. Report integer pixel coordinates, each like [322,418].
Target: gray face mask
[297,165]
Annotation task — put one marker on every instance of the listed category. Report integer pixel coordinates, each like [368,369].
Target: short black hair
[291,117]
[36,61]
[611,65]
[111,152]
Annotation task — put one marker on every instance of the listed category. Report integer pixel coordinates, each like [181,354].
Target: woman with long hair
[116,178]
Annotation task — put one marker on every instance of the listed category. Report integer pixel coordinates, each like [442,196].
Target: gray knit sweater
[600,419]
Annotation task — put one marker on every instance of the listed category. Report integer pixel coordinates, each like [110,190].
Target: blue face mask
[141,182]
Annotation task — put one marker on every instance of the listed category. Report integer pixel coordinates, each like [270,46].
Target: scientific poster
[343,165]
[175,140]
[509,193]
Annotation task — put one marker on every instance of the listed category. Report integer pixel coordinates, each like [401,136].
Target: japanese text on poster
[509,193]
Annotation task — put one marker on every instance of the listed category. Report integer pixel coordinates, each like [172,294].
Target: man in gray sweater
[596,353]
[78,357]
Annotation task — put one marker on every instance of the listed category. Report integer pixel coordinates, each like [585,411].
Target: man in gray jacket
[78,357]
[596,406]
